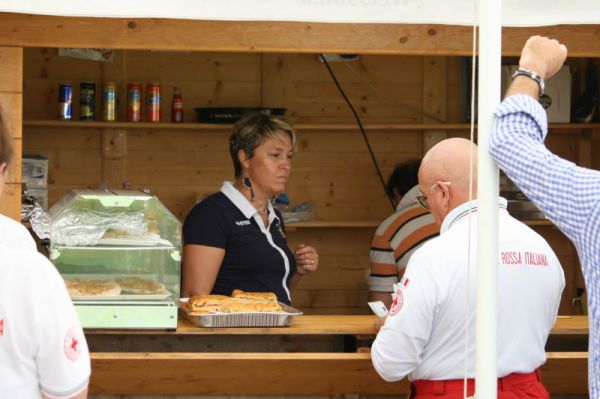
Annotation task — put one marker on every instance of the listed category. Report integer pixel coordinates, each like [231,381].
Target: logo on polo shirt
[397,303]
[243,223]
[73,344]
[1,327]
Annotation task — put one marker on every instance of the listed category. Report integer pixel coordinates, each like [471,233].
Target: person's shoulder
[401,217]
[13,225]
[26,262]
[216,202]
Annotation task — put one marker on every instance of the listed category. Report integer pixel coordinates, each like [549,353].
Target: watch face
[545,101]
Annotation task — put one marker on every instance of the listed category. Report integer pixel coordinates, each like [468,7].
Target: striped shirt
[396,238]
[569,196]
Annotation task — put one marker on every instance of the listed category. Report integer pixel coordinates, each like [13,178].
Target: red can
[153,102]
[134,102]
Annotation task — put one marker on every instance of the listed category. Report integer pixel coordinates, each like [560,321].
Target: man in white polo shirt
[424,335]
[43,352]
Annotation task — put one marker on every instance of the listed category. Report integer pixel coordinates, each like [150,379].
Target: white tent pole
[490,38]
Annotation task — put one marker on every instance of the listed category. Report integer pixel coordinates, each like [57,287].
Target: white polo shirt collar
[463,210]
[243,204]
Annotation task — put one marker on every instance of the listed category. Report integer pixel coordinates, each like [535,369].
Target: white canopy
[453,12]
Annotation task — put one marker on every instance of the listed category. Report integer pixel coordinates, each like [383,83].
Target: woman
[235,238]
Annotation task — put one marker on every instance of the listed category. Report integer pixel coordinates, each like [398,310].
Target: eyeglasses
[422,199]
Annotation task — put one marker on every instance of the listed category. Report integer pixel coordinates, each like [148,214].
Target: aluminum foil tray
[258,319]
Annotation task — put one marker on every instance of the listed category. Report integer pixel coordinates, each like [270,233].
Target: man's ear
[243,158]
[3,167]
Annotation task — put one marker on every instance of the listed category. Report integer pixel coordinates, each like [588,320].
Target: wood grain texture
[297,37]
[279,374]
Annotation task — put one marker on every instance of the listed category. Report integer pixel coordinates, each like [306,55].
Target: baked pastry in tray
[208,304]
[255,296]
[140,286]
[80,287]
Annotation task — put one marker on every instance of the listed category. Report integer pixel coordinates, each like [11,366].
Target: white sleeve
[399,344]
[63,359]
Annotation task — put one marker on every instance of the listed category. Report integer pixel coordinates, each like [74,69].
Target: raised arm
[565,192]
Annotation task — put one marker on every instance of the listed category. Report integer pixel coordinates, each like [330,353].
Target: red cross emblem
[72,345]
[397,303]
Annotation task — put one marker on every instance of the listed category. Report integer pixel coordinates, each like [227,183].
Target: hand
[543,56]
[307,259]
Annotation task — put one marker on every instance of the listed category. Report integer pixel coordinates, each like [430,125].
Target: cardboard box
[558,88]
[35,171]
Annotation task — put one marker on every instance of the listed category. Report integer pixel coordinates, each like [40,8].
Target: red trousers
[513,386]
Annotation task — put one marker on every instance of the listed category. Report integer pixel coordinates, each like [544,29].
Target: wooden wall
[11,100]
[332,168]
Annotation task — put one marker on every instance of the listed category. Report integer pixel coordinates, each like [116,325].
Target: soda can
[153,102]
[134,102]
[65,101]
[87,100]
[109,101]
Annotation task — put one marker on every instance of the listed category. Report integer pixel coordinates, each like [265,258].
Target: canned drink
[134,102]
[65,101]
[153,102]
[87,100]
[109,101]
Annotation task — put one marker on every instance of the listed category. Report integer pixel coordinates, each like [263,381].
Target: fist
[543,56]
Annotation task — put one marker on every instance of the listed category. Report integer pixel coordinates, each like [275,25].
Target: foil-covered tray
[250,319]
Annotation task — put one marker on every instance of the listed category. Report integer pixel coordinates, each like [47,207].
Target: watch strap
[532,75]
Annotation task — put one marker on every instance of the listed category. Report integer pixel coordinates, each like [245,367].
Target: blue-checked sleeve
[565,192]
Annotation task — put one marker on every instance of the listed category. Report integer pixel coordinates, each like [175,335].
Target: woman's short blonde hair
[251,131]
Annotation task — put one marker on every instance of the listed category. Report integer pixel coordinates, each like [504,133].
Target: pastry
[255,296]
[253,307]
[136,285]
[91,287]
[208,304]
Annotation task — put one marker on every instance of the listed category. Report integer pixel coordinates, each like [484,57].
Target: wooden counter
[322,325]
[190,360]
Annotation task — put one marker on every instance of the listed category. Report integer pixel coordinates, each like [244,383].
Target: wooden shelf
[125,125]
[343,127]
[333,224]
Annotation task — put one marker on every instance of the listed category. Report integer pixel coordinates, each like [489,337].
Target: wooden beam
[238,374]
[279,374]
[11,103]
[270,36]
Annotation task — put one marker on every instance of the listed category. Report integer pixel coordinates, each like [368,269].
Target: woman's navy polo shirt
[257,258]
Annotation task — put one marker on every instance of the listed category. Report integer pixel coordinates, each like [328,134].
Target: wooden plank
[434,98]
[566,373]
[237,374]
[10,202]
[275,80]
[11,104]
[278,374]
[268,36]
[11,69]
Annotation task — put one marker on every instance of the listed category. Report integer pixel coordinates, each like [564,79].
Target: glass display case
[119,252]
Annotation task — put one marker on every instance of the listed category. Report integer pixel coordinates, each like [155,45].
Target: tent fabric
[455,12]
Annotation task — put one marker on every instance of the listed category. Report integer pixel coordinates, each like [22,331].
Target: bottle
[177,106]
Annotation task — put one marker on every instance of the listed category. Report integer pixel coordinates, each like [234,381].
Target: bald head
[449,161]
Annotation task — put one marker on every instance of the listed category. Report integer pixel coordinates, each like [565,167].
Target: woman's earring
[246,182]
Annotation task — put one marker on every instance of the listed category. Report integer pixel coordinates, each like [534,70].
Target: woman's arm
[201,265]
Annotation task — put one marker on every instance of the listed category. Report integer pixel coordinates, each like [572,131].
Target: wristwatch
[532,75]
